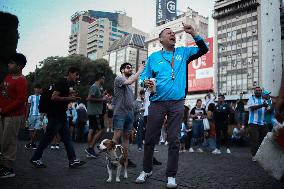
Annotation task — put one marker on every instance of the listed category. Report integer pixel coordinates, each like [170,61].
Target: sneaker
[33,145]
[57,146]
[228,151]
[52,146]
[6,173]
[156,150]
[253,159]
[199,150]
[76,163]
[156,162]
[216,151]
[91,153]
[107,130]
[38,163]
[28,146]
[171,182]
[190,150]
[131,164]
[142,177]
[139,149]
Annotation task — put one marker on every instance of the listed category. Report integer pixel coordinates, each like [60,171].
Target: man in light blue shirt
[34,117]
[165,76]
[257,127]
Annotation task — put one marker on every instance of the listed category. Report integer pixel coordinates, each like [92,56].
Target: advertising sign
[171,10]
[160,11]
[200,71]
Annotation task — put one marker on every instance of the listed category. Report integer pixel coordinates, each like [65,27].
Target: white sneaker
[107,130]
[171,182]
[216,151]
[199,150]
[228,151]
[142,177]
[190,150]
[253,159]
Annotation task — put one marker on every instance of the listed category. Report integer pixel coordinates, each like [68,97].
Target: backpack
[45,100]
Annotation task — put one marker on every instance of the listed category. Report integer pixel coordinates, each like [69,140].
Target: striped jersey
[33,100]
[256,116]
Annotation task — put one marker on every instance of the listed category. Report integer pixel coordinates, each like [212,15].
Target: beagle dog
[116,157]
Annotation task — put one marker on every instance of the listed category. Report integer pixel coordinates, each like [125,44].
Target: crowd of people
[159,112]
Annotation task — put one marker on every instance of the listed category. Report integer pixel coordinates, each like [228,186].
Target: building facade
[248,47]
[130,48]
[93,32]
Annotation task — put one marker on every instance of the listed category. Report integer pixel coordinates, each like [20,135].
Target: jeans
[197,133]
[54,126]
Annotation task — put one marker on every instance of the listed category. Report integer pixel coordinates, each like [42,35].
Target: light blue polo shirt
[158,66]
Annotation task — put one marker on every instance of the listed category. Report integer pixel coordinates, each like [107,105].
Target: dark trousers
[54,126]
[222,127]
[256,135]
[157,111]
[140,132]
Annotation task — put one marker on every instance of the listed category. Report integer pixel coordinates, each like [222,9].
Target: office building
[248,47]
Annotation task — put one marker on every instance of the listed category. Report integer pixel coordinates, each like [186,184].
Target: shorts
[96,122]
[34,122]
[123,122]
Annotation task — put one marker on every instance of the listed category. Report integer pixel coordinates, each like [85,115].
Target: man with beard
[165,76]
[257,128]
[123,104]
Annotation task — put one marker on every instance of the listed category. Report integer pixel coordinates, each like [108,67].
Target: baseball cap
[266,92]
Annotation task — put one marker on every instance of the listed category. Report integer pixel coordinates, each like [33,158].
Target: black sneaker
[33,145]
[91,153]
[156,162]
[38,163]
[6,173]
[28,146]
[131,164]
[76,163]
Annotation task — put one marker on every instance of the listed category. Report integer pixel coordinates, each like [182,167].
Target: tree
[54,68]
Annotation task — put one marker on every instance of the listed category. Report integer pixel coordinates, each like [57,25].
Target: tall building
[248,48]
[130,48]
[92,32]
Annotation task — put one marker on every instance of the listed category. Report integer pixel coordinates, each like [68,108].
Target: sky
[45,24]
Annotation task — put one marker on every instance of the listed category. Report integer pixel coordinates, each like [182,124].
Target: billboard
[165,10]
[200,71]
[160,11]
